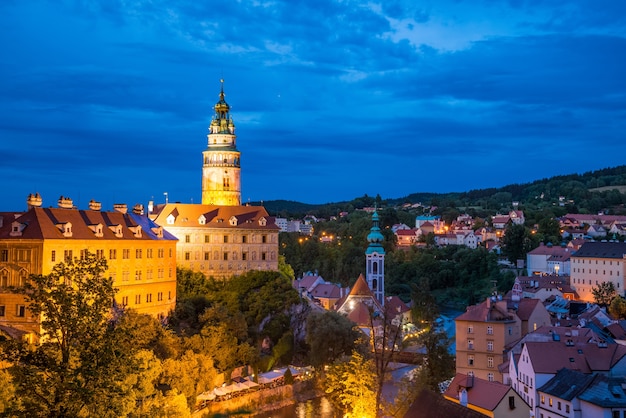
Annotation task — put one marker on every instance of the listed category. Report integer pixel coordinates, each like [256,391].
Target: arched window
[4,278]
[22,277]
[375,267]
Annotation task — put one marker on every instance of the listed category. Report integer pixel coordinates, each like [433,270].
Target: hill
[591,191]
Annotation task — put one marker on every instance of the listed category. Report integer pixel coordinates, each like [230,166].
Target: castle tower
[375,260]
[221,170]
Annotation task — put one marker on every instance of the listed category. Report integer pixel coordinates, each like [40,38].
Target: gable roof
[550,357]
[187,215]
[605,391]
[44,223]
[481,393]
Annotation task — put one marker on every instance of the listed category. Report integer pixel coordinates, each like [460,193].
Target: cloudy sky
[332,99]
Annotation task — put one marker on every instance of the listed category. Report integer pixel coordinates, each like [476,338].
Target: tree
[330,336]
[604,293]
[618,307]
[80,366]
[351,386]
[516,242]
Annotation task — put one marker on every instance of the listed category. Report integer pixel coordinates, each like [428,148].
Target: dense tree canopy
[84,356]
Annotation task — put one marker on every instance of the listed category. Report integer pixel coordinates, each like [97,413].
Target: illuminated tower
[221,170]
[375,260]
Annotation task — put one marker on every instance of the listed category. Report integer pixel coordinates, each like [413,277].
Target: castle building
[221,241]
[375,261]
[220,237]
[141,256]
[221,169]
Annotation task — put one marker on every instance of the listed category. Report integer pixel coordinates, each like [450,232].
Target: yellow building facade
[221,241]
[141,256]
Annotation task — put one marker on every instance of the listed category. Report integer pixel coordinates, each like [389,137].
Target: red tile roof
[481,393]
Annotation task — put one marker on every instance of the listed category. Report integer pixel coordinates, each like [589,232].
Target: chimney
[120,207]
[93,205]
[463,397]
[138,209]
[33,201]
[65,203]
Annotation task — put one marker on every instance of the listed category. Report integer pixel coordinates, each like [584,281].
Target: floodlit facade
[141,256]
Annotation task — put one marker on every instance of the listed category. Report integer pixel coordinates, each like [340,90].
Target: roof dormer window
[262,221]
[158,232]
[16,229]
[117,230]
[66,229]
[170,219]
[136,230]
[202,220]
[97,230]
[233,221]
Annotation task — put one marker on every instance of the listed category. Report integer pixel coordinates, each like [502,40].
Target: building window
[207,238]
[225,256]
[112,254]
[149,298]
[263,256]
[187,238]
[543,399]
[20,311]
[67,256]
[99,254]
[225,239]
[470,344]
[126,254]
[4,255]
[470,360]
[170,253]
[490,362]
[489,345]
[4,278]
[244,256]
[206,255]
[125,276]
[567,408]
[264,239]
[187,255]
[2,310]
[558,405]
[138,253]
[160,296]
[160,252]
[149,274]
[137,299]
[470,329]
[244,239]
[511,402]
[137,274]
[490,377]
[489,330]
[550,401]
[125,301]
[53,256]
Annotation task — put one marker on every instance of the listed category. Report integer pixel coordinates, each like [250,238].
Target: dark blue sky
[111,100]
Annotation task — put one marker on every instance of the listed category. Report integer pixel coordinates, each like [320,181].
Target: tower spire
[221,171]
[375,259]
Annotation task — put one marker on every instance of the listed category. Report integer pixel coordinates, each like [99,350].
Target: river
[314,408]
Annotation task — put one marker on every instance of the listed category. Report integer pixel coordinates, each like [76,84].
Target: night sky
[111,100]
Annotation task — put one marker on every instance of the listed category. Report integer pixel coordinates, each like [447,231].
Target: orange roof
[189,215]
[481,393]
[361,288]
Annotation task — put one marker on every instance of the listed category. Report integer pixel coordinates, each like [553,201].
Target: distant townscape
[499,303]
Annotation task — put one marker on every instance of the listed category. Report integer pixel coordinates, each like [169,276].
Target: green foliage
[618,307]
[191,375]
[516,242]
[84,357]
[351,386]
[330,336]
[604,293]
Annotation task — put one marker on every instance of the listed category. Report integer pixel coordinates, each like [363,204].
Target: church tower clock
[375,260]
[221,169]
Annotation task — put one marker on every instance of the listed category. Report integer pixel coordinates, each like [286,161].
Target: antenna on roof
[166,199]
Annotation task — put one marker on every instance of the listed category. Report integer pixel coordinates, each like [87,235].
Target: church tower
[221,170]
[375,260]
